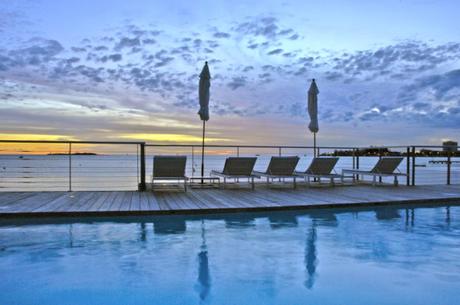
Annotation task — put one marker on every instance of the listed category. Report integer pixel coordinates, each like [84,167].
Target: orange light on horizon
[33,148]
[167,137]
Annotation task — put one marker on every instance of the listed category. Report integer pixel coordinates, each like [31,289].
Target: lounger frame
[237,168]
[274,171]
[376,172]
[169,168]
[315,171]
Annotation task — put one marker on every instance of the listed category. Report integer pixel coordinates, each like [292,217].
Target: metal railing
[114,165]
[357,156]
[70,165]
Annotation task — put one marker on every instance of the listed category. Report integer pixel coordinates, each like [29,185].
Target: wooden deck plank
[153,203]
[117,202]
[38,203]
[135,201]
[233,199]
[211,201]
[95,204]
[53,205]
[29,203]
[143,201]
[77,199]
[184,202]
[106,204]
[191,195]
[126,201]
[162,202]
[10,198]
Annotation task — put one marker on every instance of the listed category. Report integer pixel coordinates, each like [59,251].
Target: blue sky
[388,71]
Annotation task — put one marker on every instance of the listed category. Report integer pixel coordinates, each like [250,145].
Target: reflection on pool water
[387,255]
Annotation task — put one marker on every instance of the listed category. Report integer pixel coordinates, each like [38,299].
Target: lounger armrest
[171,178]
[355,171]
[369,173]
[220,174]
[216,173]
[256,173]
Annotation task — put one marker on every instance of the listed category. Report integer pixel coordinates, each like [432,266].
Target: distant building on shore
[450,146]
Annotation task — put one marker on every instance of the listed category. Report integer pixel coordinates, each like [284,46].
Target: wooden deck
[35,204]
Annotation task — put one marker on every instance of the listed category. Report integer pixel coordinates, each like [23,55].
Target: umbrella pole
[202,153]
[314,144]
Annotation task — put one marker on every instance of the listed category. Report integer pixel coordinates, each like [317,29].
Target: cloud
[35,51]
[237,82]
[101,48]
[263,27]
[127,42]
[405,58]
[112,57]
[275,52]
[221,35]
[441,86]
[149,41]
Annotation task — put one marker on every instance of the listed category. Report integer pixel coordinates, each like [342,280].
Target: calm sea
[121,172]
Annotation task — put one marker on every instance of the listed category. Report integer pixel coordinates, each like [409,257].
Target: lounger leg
[374,180]
[396,180]
[268,181]
[225,181]
[295,185]
[332,182]
[252,183]
[308,181]
[185,185]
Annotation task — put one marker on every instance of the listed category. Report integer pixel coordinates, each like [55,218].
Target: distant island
[387,152]
[73,154]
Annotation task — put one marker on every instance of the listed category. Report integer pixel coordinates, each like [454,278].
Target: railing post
[142,186]
[408,166]
[237,151]
[193,160]
[354,158]
[357,163]
[380,157]
[448,167]
[279,151]
[413,166]
[70,166]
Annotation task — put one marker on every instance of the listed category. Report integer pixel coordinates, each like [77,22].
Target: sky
[388,72]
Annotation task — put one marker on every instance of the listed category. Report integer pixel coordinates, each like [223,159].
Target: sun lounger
[385,167]
[169,168]
[280,167]
[320,168]
[236,168]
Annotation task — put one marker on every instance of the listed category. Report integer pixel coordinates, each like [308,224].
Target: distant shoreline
[73,154]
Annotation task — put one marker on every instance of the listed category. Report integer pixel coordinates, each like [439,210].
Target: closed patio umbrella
[313,111]
[203,94]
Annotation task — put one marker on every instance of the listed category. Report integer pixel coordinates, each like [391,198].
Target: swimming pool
[387,255]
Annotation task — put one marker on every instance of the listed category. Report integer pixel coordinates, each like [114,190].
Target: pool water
[387,255]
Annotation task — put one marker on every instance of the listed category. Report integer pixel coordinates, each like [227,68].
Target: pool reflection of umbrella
[204,278]
[311,256]
[143,232]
